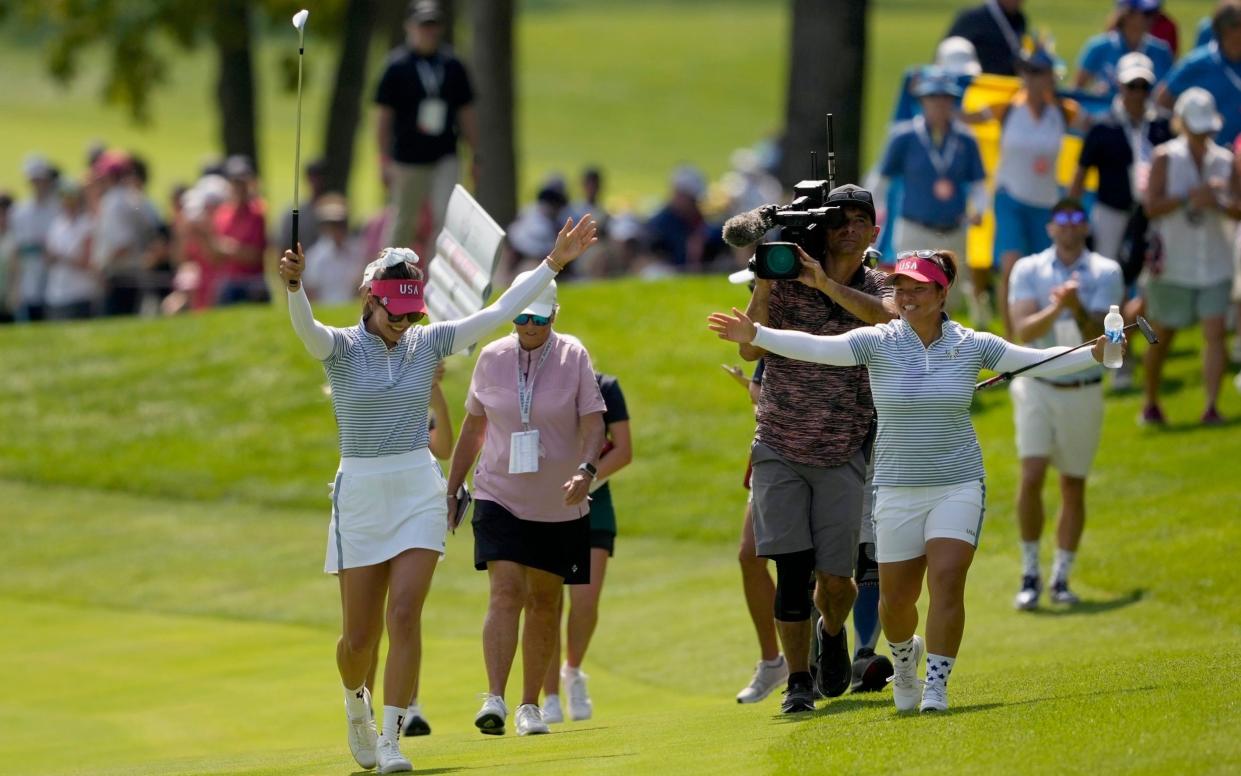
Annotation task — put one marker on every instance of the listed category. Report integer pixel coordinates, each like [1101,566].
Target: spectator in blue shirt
[1215,67]
[937,158]
[1128,31]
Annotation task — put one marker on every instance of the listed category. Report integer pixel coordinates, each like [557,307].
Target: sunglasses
[537,320]
[924,254]
[411,317]
[1069,217]
[1137,86]
[861,195]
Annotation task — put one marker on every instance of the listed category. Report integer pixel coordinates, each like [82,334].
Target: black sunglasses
[411,317]
[860,195]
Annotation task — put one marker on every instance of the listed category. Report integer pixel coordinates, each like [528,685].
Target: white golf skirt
[384,506]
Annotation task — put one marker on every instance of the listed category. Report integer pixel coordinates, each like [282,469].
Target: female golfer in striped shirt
[928,466]
[389,513]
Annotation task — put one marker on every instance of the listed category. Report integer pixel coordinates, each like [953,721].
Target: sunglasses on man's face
[1069,218]
[537,320]
[1137,86]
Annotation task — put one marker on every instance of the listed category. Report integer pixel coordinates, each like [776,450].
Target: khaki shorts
[1061,424]
[1179,307]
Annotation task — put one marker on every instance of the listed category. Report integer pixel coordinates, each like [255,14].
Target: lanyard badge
[523,448]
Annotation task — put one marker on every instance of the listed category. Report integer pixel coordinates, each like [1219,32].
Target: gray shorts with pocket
[799,507]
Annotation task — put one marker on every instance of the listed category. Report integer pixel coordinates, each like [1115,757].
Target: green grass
[164,492]
[636,87]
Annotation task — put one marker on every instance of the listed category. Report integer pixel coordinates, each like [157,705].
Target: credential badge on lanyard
[432,110]
[523,447]
[943,189]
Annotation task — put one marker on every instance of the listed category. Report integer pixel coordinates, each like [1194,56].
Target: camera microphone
[745,229]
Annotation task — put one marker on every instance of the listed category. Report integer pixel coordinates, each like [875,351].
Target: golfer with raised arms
[928,465]
[389,513]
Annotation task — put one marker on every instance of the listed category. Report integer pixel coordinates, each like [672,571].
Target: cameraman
[810,444]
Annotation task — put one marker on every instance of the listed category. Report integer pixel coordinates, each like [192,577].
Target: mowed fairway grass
[164,492]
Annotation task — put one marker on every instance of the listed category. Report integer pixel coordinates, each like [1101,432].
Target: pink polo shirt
[564,390]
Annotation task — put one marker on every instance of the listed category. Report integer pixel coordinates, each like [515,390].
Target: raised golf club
[299,22]
[1141,324]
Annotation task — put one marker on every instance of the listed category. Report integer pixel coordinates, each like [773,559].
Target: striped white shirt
[922,394]
[380,395]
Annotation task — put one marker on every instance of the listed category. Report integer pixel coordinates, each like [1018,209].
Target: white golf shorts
[383,506]
[907,517]
[1061,424]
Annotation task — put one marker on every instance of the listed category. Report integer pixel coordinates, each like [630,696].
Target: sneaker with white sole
[1027,597]
[530,720]
[388,757]
[934,697]
[574,682]
[1061,594]
[552,714]
[363,735]
[415,723]
[490,718]
[767,679]
[906,689]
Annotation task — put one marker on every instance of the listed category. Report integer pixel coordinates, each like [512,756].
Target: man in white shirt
[334,261]
[31,220]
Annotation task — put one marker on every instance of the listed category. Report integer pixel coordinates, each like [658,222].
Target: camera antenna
[831,155]
[814,165]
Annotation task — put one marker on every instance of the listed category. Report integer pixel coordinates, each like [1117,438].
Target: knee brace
[867,568]
[793,570]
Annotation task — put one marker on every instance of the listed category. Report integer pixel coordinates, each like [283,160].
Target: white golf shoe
[490,718]
[906,689]
[767,679]
[934,697]
[530,720]
[552,714]
[574,682]
[363,735]
[388,757]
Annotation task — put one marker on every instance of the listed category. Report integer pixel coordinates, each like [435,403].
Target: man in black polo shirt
[810,447]
[425,103]
[996,29]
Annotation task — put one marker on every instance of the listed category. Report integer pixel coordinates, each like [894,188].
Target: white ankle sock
[413,705]
[938,668]
[356,703]
[1062,565]
[775,662]
[393,717]
[902,650]
[1029,559]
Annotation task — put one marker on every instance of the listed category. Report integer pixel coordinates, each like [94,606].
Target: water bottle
[1113,329]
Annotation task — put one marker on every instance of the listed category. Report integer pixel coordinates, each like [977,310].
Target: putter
[1141,324]
[299,22]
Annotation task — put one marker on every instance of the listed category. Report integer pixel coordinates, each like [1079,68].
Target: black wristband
[589,468]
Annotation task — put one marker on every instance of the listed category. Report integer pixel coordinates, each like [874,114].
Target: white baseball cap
[958,56]
[1196,110]
[545,303]
[1135,66]
[36,166]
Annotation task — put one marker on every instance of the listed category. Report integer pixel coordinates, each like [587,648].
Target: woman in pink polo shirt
[535,412]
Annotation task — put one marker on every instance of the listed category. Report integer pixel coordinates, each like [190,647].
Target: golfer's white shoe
[906,689]
[490,718]
[552,714]
[574,682]
[935,697]
[1027,597]
[530,720]
[362,739]
[767,679]
[388,757]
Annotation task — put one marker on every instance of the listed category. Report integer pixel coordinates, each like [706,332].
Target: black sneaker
[871,672]
[1060,594]
[835,668]
[798,697]
[416,725]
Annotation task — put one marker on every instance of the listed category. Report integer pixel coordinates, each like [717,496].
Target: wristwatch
[589,468]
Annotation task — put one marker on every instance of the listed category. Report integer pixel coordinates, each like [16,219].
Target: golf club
[1141,324]
[299,22]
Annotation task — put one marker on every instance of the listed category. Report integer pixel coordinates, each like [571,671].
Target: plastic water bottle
[1113,329]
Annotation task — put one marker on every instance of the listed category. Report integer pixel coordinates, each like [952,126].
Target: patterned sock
[938,668]
[902,651]
[357,703]
[1029,559]
[1062,565]
[393,717]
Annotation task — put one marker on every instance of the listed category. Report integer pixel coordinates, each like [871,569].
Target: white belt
[383,464]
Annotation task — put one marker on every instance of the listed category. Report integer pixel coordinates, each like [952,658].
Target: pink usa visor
[923,270]
[400,297]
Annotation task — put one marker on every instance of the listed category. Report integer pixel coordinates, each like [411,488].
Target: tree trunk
[492,48]
[345,109]
[232,33]
[827,64]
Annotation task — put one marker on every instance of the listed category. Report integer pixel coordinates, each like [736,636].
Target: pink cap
[923,270]
[400,296]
